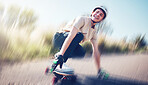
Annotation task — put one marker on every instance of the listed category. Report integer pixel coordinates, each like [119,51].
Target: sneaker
[64,70]
[102,74]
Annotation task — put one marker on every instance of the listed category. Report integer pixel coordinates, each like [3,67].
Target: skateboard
[64,77]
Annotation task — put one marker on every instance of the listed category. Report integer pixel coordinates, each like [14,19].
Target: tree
[19,18]
[11,16]
[27,19]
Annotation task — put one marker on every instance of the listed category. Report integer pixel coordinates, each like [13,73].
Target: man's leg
[79,52]
[75,42]
[59,39]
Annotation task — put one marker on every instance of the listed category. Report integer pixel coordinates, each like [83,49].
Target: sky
[128,18]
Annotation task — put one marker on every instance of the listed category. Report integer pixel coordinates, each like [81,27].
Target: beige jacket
[83,24]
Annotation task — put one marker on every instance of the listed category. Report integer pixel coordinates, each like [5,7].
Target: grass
[16,45]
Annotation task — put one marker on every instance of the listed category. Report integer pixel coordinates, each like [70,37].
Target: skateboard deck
[62,76]
[64,72]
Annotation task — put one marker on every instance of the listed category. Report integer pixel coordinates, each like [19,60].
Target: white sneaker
[65,70]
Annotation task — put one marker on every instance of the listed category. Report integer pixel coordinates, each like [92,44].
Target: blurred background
[27,26]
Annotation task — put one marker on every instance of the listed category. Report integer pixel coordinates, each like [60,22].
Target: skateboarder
[78,31]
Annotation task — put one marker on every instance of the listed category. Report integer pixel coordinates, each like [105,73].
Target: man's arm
[78,23]
[96,52]
[68,40]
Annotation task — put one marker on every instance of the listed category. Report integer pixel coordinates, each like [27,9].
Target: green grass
[16,45]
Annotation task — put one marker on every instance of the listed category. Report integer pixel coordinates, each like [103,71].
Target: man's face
[97,15]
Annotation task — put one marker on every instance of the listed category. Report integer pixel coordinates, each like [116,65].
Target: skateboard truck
[53,67]
[64,76]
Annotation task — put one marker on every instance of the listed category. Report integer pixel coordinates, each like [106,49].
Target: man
[79,30]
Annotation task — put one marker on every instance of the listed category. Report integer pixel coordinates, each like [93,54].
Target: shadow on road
[87,80]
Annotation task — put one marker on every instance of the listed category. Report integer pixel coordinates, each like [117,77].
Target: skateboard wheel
[47,70]
[64,78]
[68,80]
[54,80]
[71,78]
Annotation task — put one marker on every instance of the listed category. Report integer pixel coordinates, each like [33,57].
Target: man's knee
[80,36]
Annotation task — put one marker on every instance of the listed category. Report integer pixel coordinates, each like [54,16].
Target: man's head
[99,14]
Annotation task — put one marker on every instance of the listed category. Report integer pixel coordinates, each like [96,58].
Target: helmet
[103,8]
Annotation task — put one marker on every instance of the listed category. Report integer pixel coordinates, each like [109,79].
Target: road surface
[134,66]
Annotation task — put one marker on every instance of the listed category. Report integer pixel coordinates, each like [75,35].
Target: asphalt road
[132,67]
